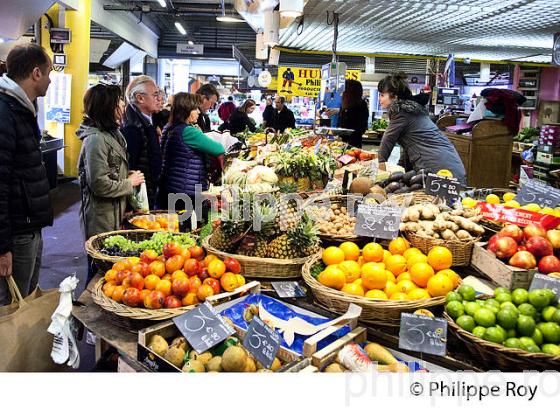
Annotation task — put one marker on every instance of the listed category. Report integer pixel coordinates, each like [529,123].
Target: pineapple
[288,187]
[247,245]
[303,184]
[287,216]
[298,242]
[227,233]
[261,248]
[281,248]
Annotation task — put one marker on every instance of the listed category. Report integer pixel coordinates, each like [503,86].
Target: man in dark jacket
[210,96]
[283,117]
[143,148]
[25,203]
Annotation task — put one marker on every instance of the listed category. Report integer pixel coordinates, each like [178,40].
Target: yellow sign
[305,82]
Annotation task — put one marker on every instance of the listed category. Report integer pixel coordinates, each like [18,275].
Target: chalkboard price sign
[288,289]
[423,334]
[445,188]
[378,221]
[262,342]
[203,327]
[541,281]
[535,192]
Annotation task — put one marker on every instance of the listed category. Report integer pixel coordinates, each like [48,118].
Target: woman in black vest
[239,119]
[354,113]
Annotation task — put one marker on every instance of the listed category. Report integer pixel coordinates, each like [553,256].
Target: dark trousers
[26,264]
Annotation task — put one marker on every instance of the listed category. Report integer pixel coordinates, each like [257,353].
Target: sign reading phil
[305,82]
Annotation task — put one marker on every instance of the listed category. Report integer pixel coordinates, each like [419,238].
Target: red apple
[154,300]
[521,248]
[197,252]
[549,264]
[505,247]
[191,267]
[539,246]
[512,231]
[492,243]
[532,230]
[232,265]
[524,260]
[172,302]
[148,256]
[214,284]
[171,249]
[554,237]
[180,287]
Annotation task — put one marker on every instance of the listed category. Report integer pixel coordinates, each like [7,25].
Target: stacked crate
[548,153]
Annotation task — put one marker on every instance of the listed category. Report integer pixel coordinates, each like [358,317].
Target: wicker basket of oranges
[384,282]
[155,221]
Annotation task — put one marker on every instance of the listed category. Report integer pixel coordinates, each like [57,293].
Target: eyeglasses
[154,95]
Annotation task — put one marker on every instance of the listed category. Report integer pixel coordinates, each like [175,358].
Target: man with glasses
[144,153]
[210,97]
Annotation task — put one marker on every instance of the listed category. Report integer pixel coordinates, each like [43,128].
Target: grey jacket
[103,172]
[425,147]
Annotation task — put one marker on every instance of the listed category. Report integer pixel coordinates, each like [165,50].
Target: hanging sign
[305,82]
[184,48]
[378,221]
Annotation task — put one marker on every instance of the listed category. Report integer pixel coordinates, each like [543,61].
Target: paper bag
[25,344]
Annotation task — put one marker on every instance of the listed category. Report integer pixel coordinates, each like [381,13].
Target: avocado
[408,176]
[392,187]
[416,187]
[396,176]
[417,179]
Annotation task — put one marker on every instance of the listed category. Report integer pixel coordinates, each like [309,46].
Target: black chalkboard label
[445,188]
[288,289]
[535,192]
[262,342]
[541,281]
[378,221]
[203,327]
[423,334]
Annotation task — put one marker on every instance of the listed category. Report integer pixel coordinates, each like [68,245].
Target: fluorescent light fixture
[180,27]
[227,18]
[1,40]
[190,42]
[162,3]
[291,8]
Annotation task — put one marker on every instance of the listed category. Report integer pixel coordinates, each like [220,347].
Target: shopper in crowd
[226,108]
[354,113]
[425,147]
[161,117]
[185,151]
[283,117]
[210,97]
[239,120]
[144,154]
[268,113]
[103,167]
[25,203]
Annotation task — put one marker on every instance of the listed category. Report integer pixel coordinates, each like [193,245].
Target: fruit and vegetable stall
[366,270]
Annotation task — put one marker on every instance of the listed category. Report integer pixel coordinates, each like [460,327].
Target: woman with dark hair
[425,147]
[354,113]
[103,166]
[239,119]
[185,149]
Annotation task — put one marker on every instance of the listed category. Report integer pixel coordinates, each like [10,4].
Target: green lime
[485,317]
[527,310]
[507,318]
[526,325]
[503,297]
[525,341]
[479,331]
[519,296]
[451,296]
[551,332]
[533,349]
[481,303]
[508,305]
[471,308]
[492,303]
[539,298]
[494,335]
[556,316]
[537,336]
[499,291]
[455,309]
[551,296]
[511,333]
[551,349]
[512,343]
[548,313]
[467,292]
[466,322]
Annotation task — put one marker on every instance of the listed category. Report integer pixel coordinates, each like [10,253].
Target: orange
[351,251]
[118,292]
[416,258]
[111,275]
[358,282]
[333,255]
[216,269]
[373,276]
[396,264]
[190,299]
[229,282]
[351,269]
[119,266]
[151,281]
[108,289]
[386,255]
[440,258]
[398,246]
[361,260]
[333,278]
[455,278]
[399,296]
[164,286]
[390,276]
[376,294]
[420,273]
[178,274]
[240,279]
[372,252]
[403,276]
[391,288]
[411,252]
[418,294]
[353,289]
[439,285]
[406,286]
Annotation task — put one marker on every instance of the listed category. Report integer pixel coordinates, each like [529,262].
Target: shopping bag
[25,344]
[139,199]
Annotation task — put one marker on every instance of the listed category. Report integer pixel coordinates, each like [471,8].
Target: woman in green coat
[105,179]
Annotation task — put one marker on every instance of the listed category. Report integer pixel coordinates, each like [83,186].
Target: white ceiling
[478,29]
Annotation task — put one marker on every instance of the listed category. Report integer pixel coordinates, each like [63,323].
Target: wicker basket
[500,357]
[461,250]
[378,312]
[261,268]
[152,216]
[104,262]
[416,197]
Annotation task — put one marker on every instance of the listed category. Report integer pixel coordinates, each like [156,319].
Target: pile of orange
[168,222]
[399,273]
[179,277]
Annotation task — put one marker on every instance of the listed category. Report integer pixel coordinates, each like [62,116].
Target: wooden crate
[503,275]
